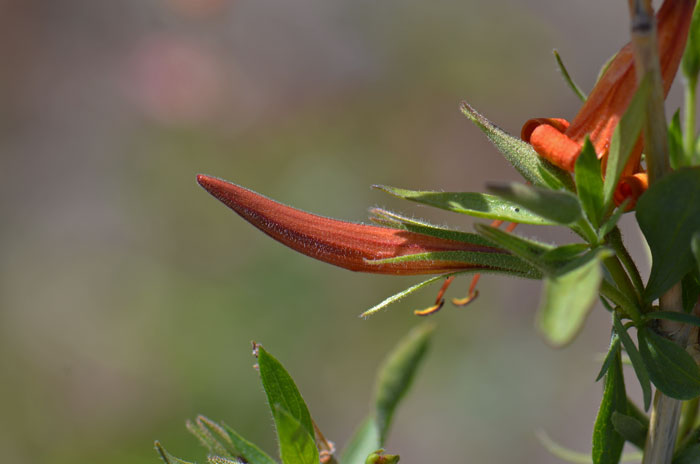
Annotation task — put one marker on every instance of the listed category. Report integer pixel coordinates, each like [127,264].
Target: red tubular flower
[345,244]
[560,142]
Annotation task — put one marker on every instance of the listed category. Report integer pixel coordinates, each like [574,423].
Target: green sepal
[281,390]
[397,221]
[297,445]
[560,207]
[471,203]
[589,183]
[607,441]
[167,457]
[670,367]
[567,78]
[624,139]
[638,363]
[364,441]
[396,375]
[668,215]
[676,153]
[568,297]
[521,155]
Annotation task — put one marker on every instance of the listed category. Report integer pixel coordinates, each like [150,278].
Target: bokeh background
[129,297]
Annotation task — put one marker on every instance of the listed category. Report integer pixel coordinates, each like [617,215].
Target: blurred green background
[129,297]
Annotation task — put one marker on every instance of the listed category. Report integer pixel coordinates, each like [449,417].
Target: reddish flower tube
[345,244]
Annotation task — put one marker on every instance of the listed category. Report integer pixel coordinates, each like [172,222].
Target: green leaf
[669,214]
[612,221]
[636,359]
[470,203]
[607,442]
[624,139]
[567,78]
[212,436]
[167,457]
[676,153]
[569,296]
[690,64]
[249,451]
[670,367]
[685,318]
[690,455]
[281,390]
[562,255]
[691,291]
[560,207]
[529,250]
[397,221]
[613,351]
[589,183]
[364,442]
[402,294]
[521,155]
[695,248]
[297,446]
[630,429]
[397,373]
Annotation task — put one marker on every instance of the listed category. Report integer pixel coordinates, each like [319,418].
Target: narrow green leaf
[613,351]
[364,441]
[567,78]
[589,183]
[685,318]
[520,154]
[209,435]
[669,214]
[281,389]
[397,373]
[471,203]
[568,297]
[624,139]
[397,221]
[690,64]
[248,450]
[636,359]
[670,367]
[529,250]
[630,429]
[297,446]
[612,221]
[607,442]
[167,457]
[695,248]
[562,255]
[394,298]
[676,153]
[560,207]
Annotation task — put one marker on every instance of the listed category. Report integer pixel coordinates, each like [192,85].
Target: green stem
[689,136]
[614,240]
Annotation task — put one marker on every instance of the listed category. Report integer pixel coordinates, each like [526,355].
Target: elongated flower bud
[345,244]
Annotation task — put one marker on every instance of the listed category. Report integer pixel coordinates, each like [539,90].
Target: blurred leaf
[397,221]
[670,367]
[613,351]
[474,204]
[636,359]
[364,441]
[690,455]
[691,291]
[167,457]
[589,183]
[676,153]
[394,298]
[607,442]
[520,154]
[690,64]
[249,451]
[397,373]
[669,214]
[569,296]
[567,78]
[297,445]
[624,139]
[281,390]
[695,248]
[560,207]
[630,429]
